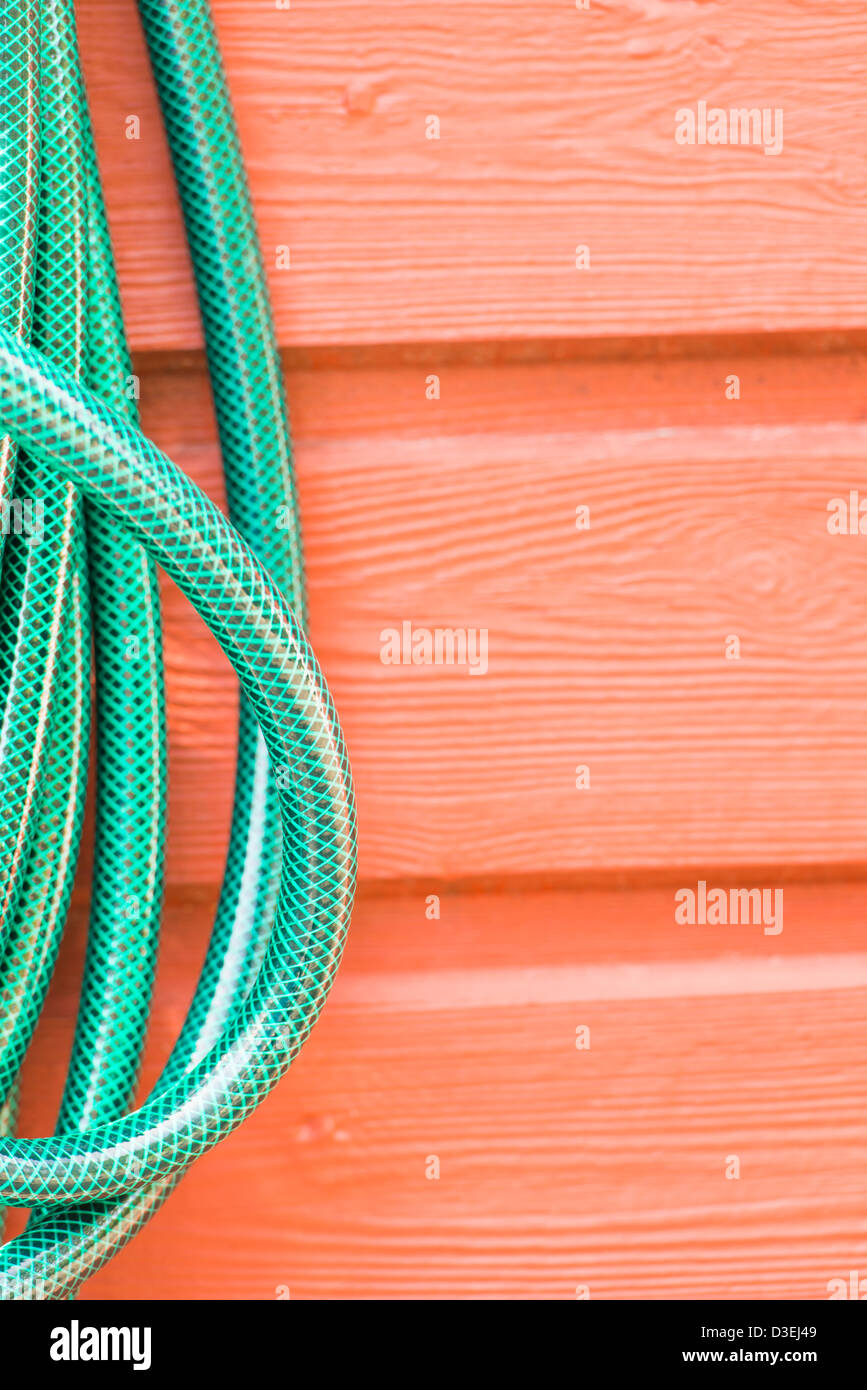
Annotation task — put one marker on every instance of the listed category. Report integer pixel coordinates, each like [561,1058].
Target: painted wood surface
[559,1167]
[607,647]
[557,130]
[413,259]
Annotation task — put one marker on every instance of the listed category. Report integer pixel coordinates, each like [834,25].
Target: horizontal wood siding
[559,1167]
[458,387]
[557,130]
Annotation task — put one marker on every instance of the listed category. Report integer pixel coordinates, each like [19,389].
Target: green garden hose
[111,507]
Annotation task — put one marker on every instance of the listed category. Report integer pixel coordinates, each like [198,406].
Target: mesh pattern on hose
[131,773]
[120,471]
[272,954]
[19,203]
[45,638]
[40,566]
[19,200]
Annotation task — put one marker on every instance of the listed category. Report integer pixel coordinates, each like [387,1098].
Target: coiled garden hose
[91,507]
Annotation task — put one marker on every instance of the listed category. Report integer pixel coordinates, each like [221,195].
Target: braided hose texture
[112,507]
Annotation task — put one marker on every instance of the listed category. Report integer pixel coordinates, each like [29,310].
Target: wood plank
[559,1167]
[607,647]
[557,129]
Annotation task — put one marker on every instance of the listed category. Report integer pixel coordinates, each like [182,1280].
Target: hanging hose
[110,508]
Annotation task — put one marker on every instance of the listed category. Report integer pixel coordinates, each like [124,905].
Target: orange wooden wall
[558,387]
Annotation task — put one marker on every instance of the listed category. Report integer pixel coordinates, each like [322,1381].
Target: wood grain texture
[559,1167]
[606,647]
[557,129]
[413,258]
